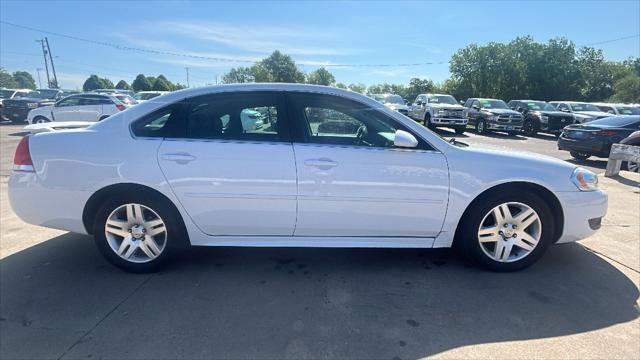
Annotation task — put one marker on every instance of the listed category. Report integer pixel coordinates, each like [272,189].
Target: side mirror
[404,139]
[461,102]
[476,107]
[564,110]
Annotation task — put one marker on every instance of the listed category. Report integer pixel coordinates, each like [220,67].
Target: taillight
[120,107]
[22,160]
[605,133]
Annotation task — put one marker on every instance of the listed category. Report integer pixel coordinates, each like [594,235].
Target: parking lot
[60,299]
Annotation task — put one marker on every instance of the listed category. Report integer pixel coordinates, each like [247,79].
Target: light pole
[39,82]
[186,68]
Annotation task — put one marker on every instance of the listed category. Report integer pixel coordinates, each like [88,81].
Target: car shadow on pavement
[61,299]
[599,164]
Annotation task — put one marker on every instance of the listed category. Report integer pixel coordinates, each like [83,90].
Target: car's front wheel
[529,128]
[427,122]
[579,155]
[138,233]
[460,129]
[40,120]
[507,232]
[631,166]
[481,127]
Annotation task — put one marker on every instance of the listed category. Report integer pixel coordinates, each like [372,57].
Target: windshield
[126,99]
[43,94]
[628,110]
[388,99]
[442,99]
[145,96]
[583,107]
[540,105]
[5,94]
[493,104]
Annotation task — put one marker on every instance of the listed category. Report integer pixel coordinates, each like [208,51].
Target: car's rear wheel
[40,120]
[507,232]
[579,155]
[138,233]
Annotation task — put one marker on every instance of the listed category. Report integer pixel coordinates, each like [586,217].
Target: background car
[618,109]
[16,109]
[582,112]
[80,107]
[393,102]
[439,110]
[143,96]
[112,91]
[540,116]
[492,114]
[158,177]
[633,139]
[596,137]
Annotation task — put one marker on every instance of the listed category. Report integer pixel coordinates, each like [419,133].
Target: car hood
[447,106]
[593,113]
[396,106]
[501,111]
[552,113]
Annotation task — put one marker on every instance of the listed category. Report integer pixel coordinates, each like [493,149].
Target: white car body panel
[57,126]
[397,186]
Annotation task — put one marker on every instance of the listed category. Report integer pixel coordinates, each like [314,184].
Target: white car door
[352,181]
[231,180]
[67,109]
[90,108]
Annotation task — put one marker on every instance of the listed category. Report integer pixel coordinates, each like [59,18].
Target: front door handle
[323,163]
[180,158]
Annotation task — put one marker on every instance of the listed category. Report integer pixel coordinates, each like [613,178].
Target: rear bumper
[583,211]
[594,147]
[53,208]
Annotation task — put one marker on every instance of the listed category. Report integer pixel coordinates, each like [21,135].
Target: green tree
[24,80]
[627,90]
[123,85]
[416,87]
[238,75]
[94,82]
[321,77]
[6,80]
[141,83]
[596,75]
[341,85]
[359,87]
[162,84]
[278,67]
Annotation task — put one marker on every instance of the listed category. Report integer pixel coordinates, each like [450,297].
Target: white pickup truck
[439,110]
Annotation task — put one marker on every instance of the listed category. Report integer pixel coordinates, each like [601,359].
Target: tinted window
[166,122]
[325,119]
[563,107]
[70,101]
[251,116]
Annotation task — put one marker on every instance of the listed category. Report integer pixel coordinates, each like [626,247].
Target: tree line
[17,80]
[140,83]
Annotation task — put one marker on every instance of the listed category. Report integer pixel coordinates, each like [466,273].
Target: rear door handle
[323,164]
[180,158]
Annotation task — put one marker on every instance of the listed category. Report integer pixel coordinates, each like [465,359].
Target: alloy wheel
[136,233]
[509,232]
[480,127]
[633,166]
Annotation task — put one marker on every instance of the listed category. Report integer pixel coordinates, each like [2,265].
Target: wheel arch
[93,203]
[547,195]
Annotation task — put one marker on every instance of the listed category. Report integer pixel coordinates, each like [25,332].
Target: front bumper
[449,121]
[13,114]
[504,127]
[583,211]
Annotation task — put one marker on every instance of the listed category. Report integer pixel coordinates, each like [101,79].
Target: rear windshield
[628,110]
[584,107]
[617,121]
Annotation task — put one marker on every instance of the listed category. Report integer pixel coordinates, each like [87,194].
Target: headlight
[32,105]
[441,112]
[584,179]
[544,119]
[493,117]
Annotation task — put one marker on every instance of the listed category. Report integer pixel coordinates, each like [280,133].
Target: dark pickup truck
[540,116]
[16,109]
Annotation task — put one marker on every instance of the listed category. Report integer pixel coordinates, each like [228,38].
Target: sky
[312,33]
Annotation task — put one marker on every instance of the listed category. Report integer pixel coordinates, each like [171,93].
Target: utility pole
[46,66]
[186,68]
[55,78]
[39,82]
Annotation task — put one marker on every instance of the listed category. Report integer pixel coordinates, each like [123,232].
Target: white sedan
[80,107]
[328,168]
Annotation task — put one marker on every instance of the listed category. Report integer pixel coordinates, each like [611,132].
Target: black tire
[529,128]
[631,166]
[481,127]
[467,236]
[579,155]
[427,122]
[40,120]
[460,129]
[512,133]
[103,117]
[176,239]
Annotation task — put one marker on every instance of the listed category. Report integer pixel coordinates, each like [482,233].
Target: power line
[200,57]
[612,40]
